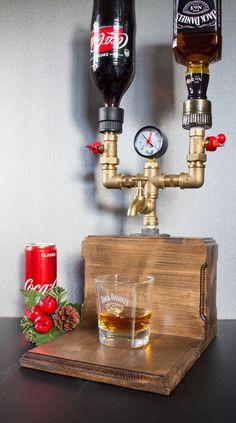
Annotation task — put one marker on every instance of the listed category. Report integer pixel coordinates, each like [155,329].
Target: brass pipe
[193,179]
[195,158]
[151,181]
[151,219]
[151,170]
[110,161]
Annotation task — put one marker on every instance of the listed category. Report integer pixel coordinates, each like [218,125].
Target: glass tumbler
[124,309]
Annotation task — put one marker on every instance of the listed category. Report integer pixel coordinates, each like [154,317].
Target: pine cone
[66,318]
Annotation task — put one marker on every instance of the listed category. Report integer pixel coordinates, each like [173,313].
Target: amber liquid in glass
[125,321]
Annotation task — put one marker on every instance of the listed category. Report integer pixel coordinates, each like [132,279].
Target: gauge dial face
[150,142]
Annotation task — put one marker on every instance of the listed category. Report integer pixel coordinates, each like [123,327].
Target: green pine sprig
[59,293]
[26,324]
[40,338]
[32,298]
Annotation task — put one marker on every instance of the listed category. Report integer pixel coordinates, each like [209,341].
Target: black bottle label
[196,15]
[109,42]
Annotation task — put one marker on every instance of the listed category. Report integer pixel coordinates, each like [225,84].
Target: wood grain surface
[157,367]
[184,293]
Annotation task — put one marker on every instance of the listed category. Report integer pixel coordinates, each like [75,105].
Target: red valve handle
[214,142]
[95,147]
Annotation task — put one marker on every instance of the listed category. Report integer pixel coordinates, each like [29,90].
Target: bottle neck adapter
[111,119]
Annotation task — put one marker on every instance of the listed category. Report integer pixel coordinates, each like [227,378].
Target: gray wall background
[48,112]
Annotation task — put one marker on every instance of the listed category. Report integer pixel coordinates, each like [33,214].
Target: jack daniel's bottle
[197,42]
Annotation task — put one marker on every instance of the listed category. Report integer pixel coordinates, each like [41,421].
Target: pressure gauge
[150,142]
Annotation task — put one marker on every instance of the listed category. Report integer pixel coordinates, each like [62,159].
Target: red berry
[48,304]
[35,312]
[43,324]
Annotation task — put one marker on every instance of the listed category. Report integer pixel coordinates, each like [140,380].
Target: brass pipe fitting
[151,170]
[145,200]
[148,183]
[110,178]
[151,219]
[110,162]
[195,158]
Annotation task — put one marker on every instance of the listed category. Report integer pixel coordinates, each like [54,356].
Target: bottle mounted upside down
[197,41]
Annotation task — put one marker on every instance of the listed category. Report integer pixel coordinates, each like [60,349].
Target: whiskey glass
[124,309]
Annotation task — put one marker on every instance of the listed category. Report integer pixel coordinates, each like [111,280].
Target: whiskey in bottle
[197,41]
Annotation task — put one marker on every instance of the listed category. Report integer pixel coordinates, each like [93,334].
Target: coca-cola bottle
[112,60]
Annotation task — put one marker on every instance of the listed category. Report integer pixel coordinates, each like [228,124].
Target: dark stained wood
[183,320]
[158,367]
[185,271]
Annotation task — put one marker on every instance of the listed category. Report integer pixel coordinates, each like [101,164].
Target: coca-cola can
[40,267]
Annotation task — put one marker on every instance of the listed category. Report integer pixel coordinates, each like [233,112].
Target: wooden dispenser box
[183,316]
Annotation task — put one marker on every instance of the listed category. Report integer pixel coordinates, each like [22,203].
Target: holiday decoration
[48,304]
[66,318]
[48,315]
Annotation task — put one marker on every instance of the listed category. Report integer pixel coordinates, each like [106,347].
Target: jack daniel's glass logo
[197,15]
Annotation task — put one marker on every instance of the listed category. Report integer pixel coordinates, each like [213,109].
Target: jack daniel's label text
[196,15]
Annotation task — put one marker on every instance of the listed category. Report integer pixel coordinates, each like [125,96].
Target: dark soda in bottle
[112,60]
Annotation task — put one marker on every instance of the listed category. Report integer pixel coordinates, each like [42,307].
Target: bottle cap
[111,119]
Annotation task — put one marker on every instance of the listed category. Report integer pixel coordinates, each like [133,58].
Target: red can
[40,267]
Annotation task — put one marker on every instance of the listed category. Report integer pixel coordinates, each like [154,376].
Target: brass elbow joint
[109,162]
[110,179]
[193,179]
[195,158]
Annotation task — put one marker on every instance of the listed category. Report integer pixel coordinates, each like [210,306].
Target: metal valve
[212,143]
[95,148]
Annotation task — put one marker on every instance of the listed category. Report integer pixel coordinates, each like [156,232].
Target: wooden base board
[157,367]
[183,314]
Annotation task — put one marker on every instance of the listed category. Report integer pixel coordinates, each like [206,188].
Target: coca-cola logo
[196,7]
[29,285]
[108,38]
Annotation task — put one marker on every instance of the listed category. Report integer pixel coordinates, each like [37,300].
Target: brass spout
[140,204]
[137,203]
